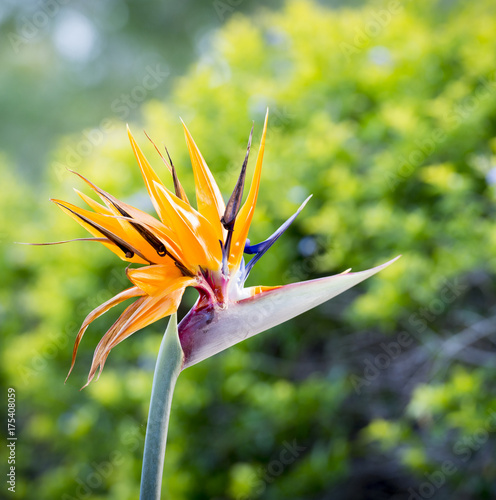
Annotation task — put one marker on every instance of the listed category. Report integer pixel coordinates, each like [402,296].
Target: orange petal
[245,215]
[109,210]
[153,279]
[99,209]
[96,313]
[142,313]
[255,290]
[106,339]
[98,225]
[180,193]
[150,177]
[153,309]
[132,219]
[194,232]
[208,196]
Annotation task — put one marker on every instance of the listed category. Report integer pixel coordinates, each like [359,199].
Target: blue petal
[260,248]
[248,248]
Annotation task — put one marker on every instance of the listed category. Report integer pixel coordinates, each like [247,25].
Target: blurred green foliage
[64,64]
[387,115]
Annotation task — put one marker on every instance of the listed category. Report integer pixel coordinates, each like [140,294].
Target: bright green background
[387,114]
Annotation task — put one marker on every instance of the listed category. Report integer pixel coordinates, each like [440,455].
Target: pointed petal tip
[57,202]
[306,200]
[90,378]
[186,130]
[389,262]
[393,260]
[378,268]
[262,248]
[59,242]
[187,133]
[130,135]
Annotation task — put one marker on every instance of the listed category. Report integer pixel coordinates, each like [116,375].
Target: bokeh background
[386,112]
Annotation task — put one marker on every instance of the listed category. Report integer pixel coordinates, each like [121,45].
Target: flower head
[202,248]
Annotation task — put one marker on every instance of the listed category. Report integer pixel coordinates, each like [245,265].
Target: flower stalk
[169,363]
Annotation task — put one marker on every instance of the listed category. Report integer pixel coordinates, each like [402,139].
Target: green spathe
[209,330]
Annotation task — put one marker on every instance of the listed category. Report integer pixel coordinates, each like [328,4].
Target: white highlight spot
[75,37]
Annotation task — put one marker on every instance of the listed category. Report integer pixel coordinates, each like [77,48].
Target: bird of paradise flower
[203,248]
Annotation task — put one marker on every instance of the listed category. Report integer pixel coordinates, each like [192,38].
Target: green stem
[169,363]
